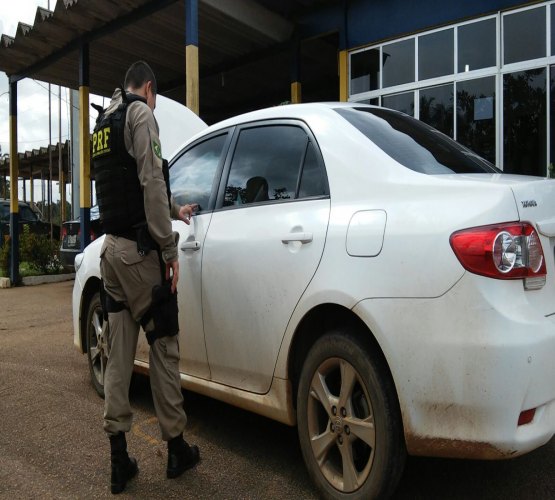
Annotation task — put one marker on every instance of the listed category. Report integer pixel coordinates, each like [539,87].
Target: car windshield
[414,144]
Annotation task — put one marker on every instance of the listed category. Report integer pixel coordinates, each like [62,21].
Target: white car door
[262,249]
[194,176]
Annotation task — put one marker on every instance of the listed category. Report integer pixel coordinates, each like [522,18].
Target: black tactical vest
[118,191]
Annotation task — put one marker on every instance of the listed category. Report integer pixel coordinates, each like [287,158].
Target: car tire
[349,422]
[96,347]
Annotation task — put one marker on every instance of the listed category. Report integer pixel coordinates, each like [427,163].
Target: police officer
[139,269]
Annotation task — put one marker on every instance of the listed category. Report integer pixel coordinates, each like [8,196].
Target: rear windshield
[414,144]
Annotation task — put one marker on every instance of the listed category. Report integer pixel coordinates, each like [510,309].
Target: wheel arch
[316,323]
[91,287]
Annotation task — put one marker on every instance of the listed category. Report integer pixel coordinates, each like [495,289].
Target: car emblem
[529,203]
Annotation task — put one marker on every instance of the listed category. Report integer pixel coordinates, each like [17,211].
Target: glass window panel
[375,101]
[436,108]
[477,45]
[313,180]
[414,144]
[435,54]
[266,165]
[524,122]
[524,35]
[400,102]
[365,71]
[476,116]
[553,30]
[192,174]
[398,63]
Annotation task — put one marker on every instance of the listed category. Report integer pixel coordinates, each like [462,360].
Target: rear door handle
[191,245]
[302,237]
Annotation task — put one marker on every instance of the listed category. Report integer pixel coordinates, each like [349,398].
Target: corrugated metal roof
[36,162]
[242,64]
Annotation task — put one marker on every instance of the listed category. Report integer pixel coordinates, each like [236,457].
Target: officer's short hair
[138,74]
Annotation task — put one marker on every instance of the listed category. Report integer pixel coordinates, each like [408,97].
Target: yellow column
[192,78]
[296,92]
[14,191]
[343,76]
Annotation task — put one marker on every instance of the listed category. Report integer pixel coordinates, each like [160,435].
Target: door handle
[302,237]
[191,245]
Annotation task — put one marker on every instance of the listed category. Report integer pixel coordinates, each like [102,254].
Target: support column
[343,76]
[296,91]
[62,183]
[343,59]
[75,152]
[61,180]
[32,186]
[84,147]
[14,175]
[191,56]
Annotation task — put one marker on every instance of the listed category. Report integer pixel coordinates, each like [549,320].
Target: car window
[313,178]
[192,174]
[266,165]
[414,144]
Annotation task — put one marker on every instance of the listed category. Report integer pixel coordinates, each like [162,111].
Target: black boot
[123,467]
[181,456]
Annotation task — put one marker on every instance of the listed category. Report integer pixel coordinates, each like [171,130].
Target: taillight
[92,235]
[502,251]
[64,232]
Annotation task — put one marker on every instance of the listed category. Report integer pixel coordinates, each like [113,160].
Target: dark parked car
[28,216]
[71,238]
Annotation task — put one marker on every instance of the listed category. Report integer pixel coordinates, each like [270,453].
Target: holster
[145,242]
[163,312]
[108,303]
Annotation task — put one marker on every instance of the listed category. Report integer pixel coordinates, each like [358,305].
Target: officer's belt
[130,234]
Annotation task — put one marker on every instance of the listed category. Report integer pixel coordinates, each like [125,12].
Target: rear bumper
[466,365]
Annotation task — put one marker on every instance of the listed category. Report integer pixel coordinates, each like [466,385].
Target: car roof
[5,200]
[287,111]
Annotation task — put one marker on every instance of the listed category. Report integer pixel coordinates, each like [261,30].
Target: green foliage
[4,187]
[39,252]
[5,256]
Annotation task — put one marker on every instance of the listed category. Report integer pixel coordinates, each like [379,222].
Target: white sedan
[356,273]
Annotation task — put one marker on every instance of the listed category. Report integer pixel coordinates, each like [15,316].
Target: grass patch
[26,269]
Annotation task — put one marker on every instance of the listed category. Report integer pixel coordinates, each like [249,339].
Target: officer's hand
[174,267]
[186,211]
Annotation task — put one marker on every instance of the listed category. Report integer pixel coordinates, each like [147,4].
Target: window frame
[219,168]
[498,71]
[219,204]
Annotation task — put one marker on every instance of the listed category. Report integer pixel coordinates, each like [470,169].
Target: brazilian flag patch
[157,149]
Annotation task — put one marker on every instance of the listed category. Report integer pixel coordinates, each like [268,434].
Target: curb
[39,280]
